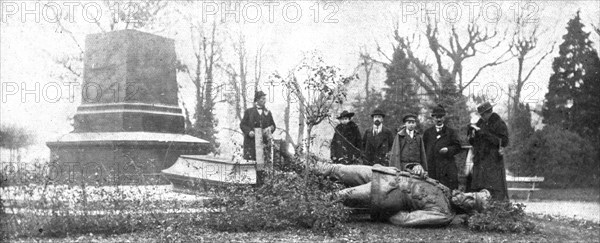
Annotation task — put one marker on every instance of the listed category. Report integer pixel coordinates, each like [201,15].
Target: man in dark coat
[441,145]
[256,117]
[377,140]
[408,151]
[487,137]
[345,145]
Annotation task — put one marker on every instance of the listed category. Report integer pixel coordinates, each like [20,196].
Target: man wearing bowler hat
[256,117]
[345,145]
[441,145]
[488,136]
[377,140]
[408,151]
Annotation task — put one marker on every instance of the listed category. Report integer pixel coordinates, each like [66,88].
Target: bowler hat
[259,94]
[378,112]
[409,115]
[438,111]
[346,114]
[486,106]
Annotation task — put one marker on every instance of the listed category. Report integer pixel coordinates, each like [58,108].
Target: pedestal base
[120,157]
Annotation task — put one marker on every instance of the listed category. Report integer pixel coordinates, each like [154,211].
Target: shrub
[286,200]
[561,156]
[501,217]
[37,206]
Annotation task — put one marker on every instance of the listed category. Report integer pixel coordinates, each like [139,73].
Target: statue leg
[349,175]
[358,196]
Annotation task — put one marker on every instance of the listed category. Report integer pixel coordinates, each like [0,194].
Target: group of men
[432,152]
[405,177]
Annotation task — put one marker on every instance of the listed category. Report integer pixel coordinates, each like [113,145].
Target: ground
[360,230]
[559,214]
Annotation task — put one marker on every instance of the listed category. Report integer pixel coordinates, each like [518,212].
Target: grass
[166,227]
[360,229]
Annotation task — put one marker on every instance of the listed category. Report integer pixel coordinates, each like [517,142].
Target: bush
[561,156]
[501,217]
[286,200]
[37,206]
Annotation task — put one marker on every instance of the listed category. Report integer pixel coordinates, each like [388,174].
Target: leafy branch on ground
[501,216]
[286,200]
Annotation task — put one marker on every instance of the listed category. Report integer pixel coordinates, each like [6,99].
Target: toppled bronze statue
[401,197]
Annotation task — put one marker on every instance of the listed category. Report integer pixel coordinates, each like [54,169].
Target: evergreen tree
[363,108]
[456,105]
[587,100]
[400,94]
[520,130]
[572,101]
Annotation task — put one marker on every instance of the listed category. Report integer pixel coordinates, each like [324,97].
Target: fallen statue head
[471,202]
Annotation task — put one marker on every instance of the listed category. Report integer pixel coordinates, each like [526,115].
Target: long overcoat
[346,142]
[375,147]
[488,163]
[442,167]
[398,146]
[253,119]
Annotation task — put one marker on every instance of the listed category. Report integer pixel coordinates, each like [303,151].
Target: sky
[30,46]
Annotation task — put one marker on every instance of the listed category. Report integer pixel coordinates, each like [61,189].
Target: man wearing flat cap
[377,140]
[345,145]
[441,145]
[256,117]
[488,136]
[408,151]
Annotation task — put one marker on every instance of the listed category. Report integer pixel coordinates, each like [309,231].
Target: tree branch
[494,63]
[539,61]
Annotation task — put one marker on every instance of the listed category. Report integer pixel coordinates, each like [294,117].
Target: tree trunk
[307,154]
[301,126]
[286,115]
[519,86]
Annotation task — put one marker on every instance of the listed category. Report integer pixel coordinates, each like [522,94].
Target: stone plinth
[129,125]
[129,66]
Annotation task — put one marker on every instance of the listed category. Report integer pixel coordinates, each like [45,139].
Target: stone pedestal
[129,126]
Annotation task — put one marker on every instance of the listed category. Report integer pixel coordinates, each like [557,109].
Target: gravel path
[578,210]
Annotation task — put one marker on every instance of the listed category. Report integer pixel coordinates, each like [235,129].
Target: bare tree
[207,52]
[523,43]
[366,62]
[239,75]
[317,87]
[457,50]
[14,138]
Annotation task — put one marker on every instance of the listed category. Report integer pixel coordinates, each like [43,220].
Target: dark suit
[376,147]
[442,167]
[253,119]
